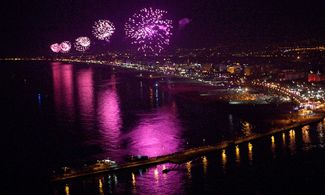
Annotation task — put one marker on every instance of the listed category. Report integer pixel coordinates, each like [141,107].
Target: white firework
[82,43]
[103,29]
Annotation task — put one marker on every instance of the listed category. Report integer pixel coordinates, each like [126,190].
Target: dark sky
[28,26]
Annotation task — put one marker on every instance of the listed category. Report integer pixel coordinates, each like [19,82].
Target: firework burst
[82,43]
[149,30]
[65,46]
[103,29]
[55,47]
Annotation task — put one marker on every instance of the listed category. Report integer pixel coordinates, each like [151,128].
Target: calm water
[58,114]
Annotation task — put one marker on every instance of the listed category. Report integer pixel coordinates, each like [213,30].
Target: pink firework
[55,48]
[82,43]
[65,46]
[103,29]
[149,30]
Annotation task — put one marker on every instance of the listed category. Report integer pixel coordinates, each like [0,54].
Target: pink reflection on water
[157,133]
[156,182]
[63,89]
[85,95]
[109,117]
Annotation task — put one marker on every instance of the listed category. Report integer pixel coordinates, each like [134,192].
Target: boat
[166,170]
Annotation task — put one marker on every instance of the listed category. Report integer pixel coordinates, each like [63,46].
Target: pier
[185,155]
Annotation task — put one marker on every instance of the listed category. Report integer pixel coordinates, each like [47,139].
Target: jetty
[182,156]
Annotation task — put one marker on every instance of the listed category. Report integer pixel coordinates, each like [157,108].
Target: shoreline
[190,153]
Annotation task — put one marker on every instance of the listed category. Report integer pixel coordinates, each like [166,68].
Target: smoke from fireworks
[149,30]
[183,22]
[82,43]
[103,29]
[55,48]
[65,46]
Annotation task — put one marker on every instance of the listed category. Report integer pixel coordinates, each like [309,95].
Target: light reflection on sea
[94,112]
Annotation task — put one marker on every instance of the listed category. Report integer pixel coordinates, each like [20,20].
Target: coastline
[188,154]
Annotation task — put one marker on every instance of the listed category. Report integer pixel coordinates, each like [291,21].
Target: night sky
[28,27]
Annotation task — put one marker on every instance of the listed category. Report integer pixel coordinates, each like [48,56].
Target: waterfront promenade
[188,154]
